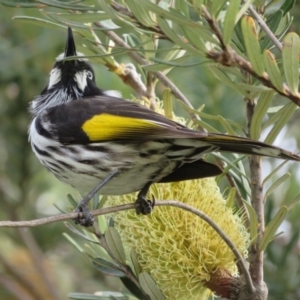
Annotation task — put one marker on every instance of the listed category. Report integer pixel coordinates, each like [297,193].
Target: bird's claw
[143,205]
[85,218]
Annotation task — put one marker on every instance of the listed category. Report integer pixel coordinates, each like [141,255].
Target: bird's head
[76,76]
[69,80]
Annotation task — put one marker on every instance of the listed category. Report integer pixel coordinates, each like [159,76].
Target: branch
[103,211]
[229,58]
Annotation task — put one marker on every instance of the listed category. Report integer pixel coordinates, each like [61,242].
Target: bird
[92,138]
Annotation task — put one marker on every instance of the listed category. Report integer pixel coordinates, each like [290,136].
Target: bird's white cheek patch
[55,76]
[80,78]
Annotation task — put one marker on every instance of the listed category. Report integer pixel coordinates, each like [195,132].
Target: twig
[240,260]
[256,256]
[264,27]
[229,58]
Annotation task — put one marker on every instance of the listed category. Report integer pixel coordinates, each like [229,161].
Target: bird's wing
[103,118]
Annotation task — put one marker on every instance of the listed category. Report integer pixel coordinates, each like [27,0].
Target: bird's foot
[143,205]
[85,218]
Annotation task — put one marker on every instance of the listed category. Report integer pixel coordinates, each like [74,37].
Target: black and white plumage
[82,134]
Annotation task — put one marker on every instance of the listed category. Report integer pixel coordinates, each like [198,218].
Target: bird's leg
[142,204]
[87,219]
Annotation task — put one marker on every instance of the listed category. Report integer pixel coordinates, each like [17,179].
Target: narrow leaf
[168,103]
[285,114]
[226,125]
[231,197]
[230,20]
[290,57]
[216,7]
[135,263]
[172,35]
[274,172]
[115,245]
[81,17]
[272,228]
[150,287]
[133,288]
[222,76]
[252,44]
[243,10]
[39,21]
[107,267]
[278,182]
[140,13]
[261,108]
[74,230]
[294,202]
[273,70]
[253,222]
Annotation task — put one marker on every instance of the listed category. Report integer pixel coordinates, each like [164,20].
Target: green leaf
[216,7]
[287,6]
[68,5]
[285,114]
[274,172]
[74,230]
[223,77]
[140,13]
[72,241]
[40,21]
[252,44]
[273,22]
[115,245]
[226,125]
[230,199]
[206,126]
[183,7]
[135,263]
[253,222]
[133,288]
[290,59]
[167,99]
[107,267]
[84,17]
[24,3]
[273,70]
[173,16]
[278,182]
[172,35]
[272,228]
[294,202]
[261,108]
[195,37]
[243,10]
[230,20]
[150,287]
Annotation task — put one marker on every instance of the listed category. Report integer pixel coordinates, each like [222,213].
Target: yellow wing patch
[106,127]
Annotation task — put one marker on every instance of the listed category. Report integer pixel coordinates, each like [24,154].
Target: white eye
[89,75]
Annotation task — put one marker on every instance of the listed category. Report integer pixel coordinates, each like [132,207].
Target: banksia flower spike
[182,253]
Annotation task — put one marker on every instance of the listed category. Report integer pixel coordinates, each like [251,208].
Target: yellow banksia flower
[182,253]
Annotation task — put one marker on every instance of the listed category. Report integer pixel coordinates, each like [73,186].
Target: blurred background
[39,263]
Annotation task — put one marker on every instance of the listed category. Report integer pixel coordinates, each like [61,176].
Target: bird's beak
[70,49]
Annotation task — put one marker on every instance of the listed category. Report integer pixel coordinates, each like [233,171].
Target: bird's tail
[242,145]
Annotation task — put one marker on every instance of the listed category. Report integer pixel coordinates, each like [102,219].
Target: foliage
[226,57]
